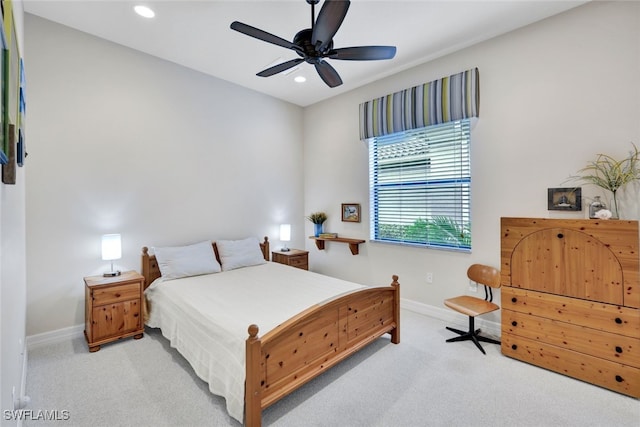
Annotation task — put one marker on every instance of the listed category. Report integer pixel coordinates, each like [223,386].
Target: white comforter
[206,317]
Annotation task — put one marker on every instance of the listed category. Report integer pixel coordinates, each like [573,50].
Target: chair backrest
[484,275]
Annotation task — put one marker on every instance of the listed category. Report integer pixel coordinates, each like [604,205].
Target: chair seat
[471,306]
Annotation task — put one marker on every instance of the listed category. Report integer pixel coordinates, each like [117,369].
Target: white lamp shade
[111,247]
[285,232]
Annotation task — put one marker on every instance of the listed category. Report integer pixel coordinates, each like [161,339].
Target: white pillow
[185,261]
[239,253]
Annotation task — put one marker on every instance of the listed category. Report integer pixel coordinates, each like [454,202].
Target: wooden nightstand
[294,258]
[113,308]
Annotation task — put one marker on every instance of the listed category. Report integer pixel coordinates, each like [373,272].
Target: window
[419,184]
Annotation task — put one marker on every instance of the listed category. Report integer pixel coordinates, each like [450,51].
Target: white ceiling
[196,34]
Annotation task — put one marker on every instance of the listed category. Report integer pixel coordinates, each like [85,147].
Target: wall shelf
[353,243]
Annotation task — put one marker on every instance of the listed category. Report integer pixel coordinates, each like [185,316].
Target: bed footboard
[313,341]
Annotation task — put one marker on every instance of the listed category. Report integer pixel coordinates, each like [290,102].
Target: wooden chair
[489,277]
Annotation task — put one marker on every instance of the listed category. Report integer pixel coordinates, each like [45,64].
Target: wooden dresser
[571,298]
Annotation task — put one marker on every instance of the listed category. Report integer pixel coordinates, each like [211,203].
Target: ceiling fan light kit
[316,43]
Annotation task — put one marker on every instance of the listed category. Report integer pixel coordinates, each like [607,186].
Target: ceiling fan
[316,43]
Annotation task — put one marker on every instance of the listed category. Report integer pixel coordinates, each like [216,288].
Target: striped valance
[445,100]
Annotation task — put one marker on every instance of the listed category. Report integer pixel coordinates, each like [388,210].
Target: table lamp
[285,236]
[111,249]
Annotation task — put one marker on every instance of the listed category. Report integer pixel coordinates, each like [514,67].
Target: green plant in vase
[317,218]
[611,174]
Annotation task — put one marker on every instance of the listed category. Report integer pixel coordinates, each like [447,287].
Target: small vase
[595,206]
[317,228]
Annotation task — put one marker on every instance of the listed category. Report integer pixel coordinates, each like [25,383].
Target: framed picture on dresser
[564,199]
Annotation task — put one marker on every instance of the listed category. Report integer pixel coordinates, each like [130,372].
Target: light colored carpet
[423,381]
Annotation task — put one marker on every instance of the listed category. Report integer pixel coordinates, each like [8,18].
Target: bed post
[395,333]
[145,266]
[252,394]
[264,246]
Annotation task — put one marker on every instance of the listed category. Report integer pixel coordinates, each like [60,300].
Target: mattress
[206,317]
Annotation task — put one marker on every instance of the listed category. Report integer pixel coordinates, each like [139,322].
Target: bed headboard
[151,271]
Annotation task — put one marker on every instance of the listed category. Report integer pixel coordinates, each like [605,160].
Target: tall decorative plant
[611,174]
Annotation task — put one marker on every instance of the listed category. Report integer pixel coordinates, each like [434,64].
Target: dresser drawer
[606,345]
[611,375]
[116,293]
[595,315]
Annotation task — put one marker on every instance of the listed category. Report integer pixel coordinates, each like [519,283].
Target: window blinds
[420,186]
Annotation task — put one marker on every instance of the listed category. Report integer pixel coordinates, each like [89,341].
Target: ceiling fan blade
[362,53]
[329,20]
[328,74]
[263,35]
[279,68]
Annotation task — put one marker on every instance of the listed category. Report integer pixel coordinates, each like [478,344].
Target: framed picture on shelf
[351,212]
[564,199]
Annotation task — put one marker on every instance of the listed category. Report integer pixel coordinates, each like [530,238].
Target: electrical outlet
[473,286]
[429,277]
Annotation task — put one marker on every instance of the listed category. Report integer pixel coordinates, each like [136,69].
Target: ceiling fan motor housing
[309,52]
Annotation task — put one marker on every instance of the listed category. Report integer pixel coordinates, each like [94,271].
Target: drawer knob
[514,323]
[619,378]
[560,235]
[514,347]
[618,349]
[514,299]
[618,320]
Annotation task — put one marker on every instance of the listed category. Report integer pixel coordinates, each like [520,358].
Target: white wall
[123,142]
[13,283]
[552,96]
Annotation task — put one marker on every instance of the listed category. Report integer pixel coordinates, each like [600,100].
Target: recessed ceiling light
[144,11]
[300,79]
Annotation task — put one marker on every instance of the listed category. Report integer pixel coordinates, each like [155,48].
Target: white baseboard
[449,316]
[52,337]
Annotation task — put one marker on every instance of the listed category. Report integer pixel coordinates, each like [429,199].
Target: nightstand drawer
[116,293]
[299,261]
[293,257]
[114,320]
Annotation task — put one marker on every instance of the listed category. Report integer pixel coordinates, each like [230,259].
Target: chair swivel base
[472,335]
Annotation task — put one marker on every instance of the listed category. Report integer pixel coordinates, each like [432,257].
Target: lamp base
[112,273]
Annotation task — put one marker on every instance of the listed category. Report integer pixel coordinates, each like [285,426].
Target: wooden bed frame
[306,345]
